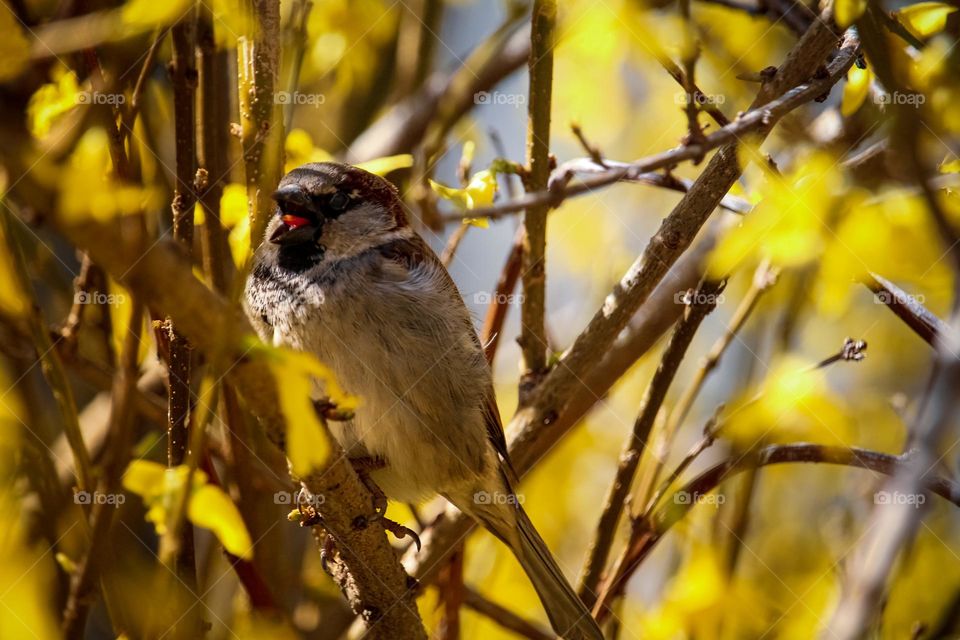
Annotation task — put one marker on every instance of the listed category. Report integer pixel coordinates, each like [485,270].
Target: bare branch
[533,338]
[647,534]
[703,302]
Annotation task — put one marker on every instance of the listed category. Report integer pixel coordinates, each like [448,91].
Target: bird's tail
[568,615]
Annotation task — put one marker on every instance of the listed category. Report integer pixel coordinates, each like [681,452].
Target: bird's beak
[294,229]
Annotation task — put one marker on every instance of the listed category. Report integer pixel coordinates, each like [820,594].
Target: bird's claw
[400,531]
[331,411]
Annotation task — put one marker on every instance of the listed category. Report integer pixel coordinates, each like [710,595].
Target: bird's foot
[364,466]
[330,411]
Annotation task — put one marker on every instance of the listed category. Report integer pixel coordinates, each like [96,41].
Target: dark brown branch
[213,117]
[906,307]
[183,78]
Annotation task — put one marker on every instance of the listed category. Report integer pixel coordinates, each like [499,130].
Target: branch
[647,534]
[906,307]
[404,125]
[669,181]
[504,617]
[703,302]
[213,117]
[760,118]
[500,303]
[261,129]
[183,78]
[763,278]
[85,579]
[533,339]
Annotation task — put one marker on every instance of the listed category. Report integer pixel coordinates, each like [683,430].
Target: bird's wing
[414,253]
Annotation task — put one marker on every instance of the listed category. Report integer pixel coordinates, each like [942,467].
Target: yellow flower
[208,507]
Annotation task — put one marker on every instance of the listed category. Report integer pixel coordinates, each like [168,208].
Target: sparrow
[343,275]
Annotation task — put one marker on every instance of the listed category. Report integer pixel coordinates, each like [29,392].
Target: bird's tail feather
[568,615]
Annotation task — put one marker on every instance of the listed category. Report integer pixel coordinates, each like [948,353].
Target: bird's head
[333,210]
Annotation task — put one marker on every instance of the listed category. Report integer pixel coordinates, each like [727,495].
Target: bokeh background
[765,558]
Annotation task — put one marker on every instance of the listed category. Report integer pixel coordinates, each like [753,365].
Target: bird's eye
[338,201]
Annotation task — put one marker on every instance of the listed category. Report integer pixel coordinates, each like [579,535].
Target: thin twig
[450,249]
[504,617]
[533,337]
[763,278]
[51,363]
[85,579]
[500,302]
[703,301]
[906,307]
[648,534]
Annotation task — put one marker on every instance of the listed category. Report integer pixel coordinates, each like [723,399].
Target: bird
[343,275]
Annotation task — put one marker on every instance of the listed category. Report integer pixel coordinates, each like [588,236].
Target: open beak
[295,229]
